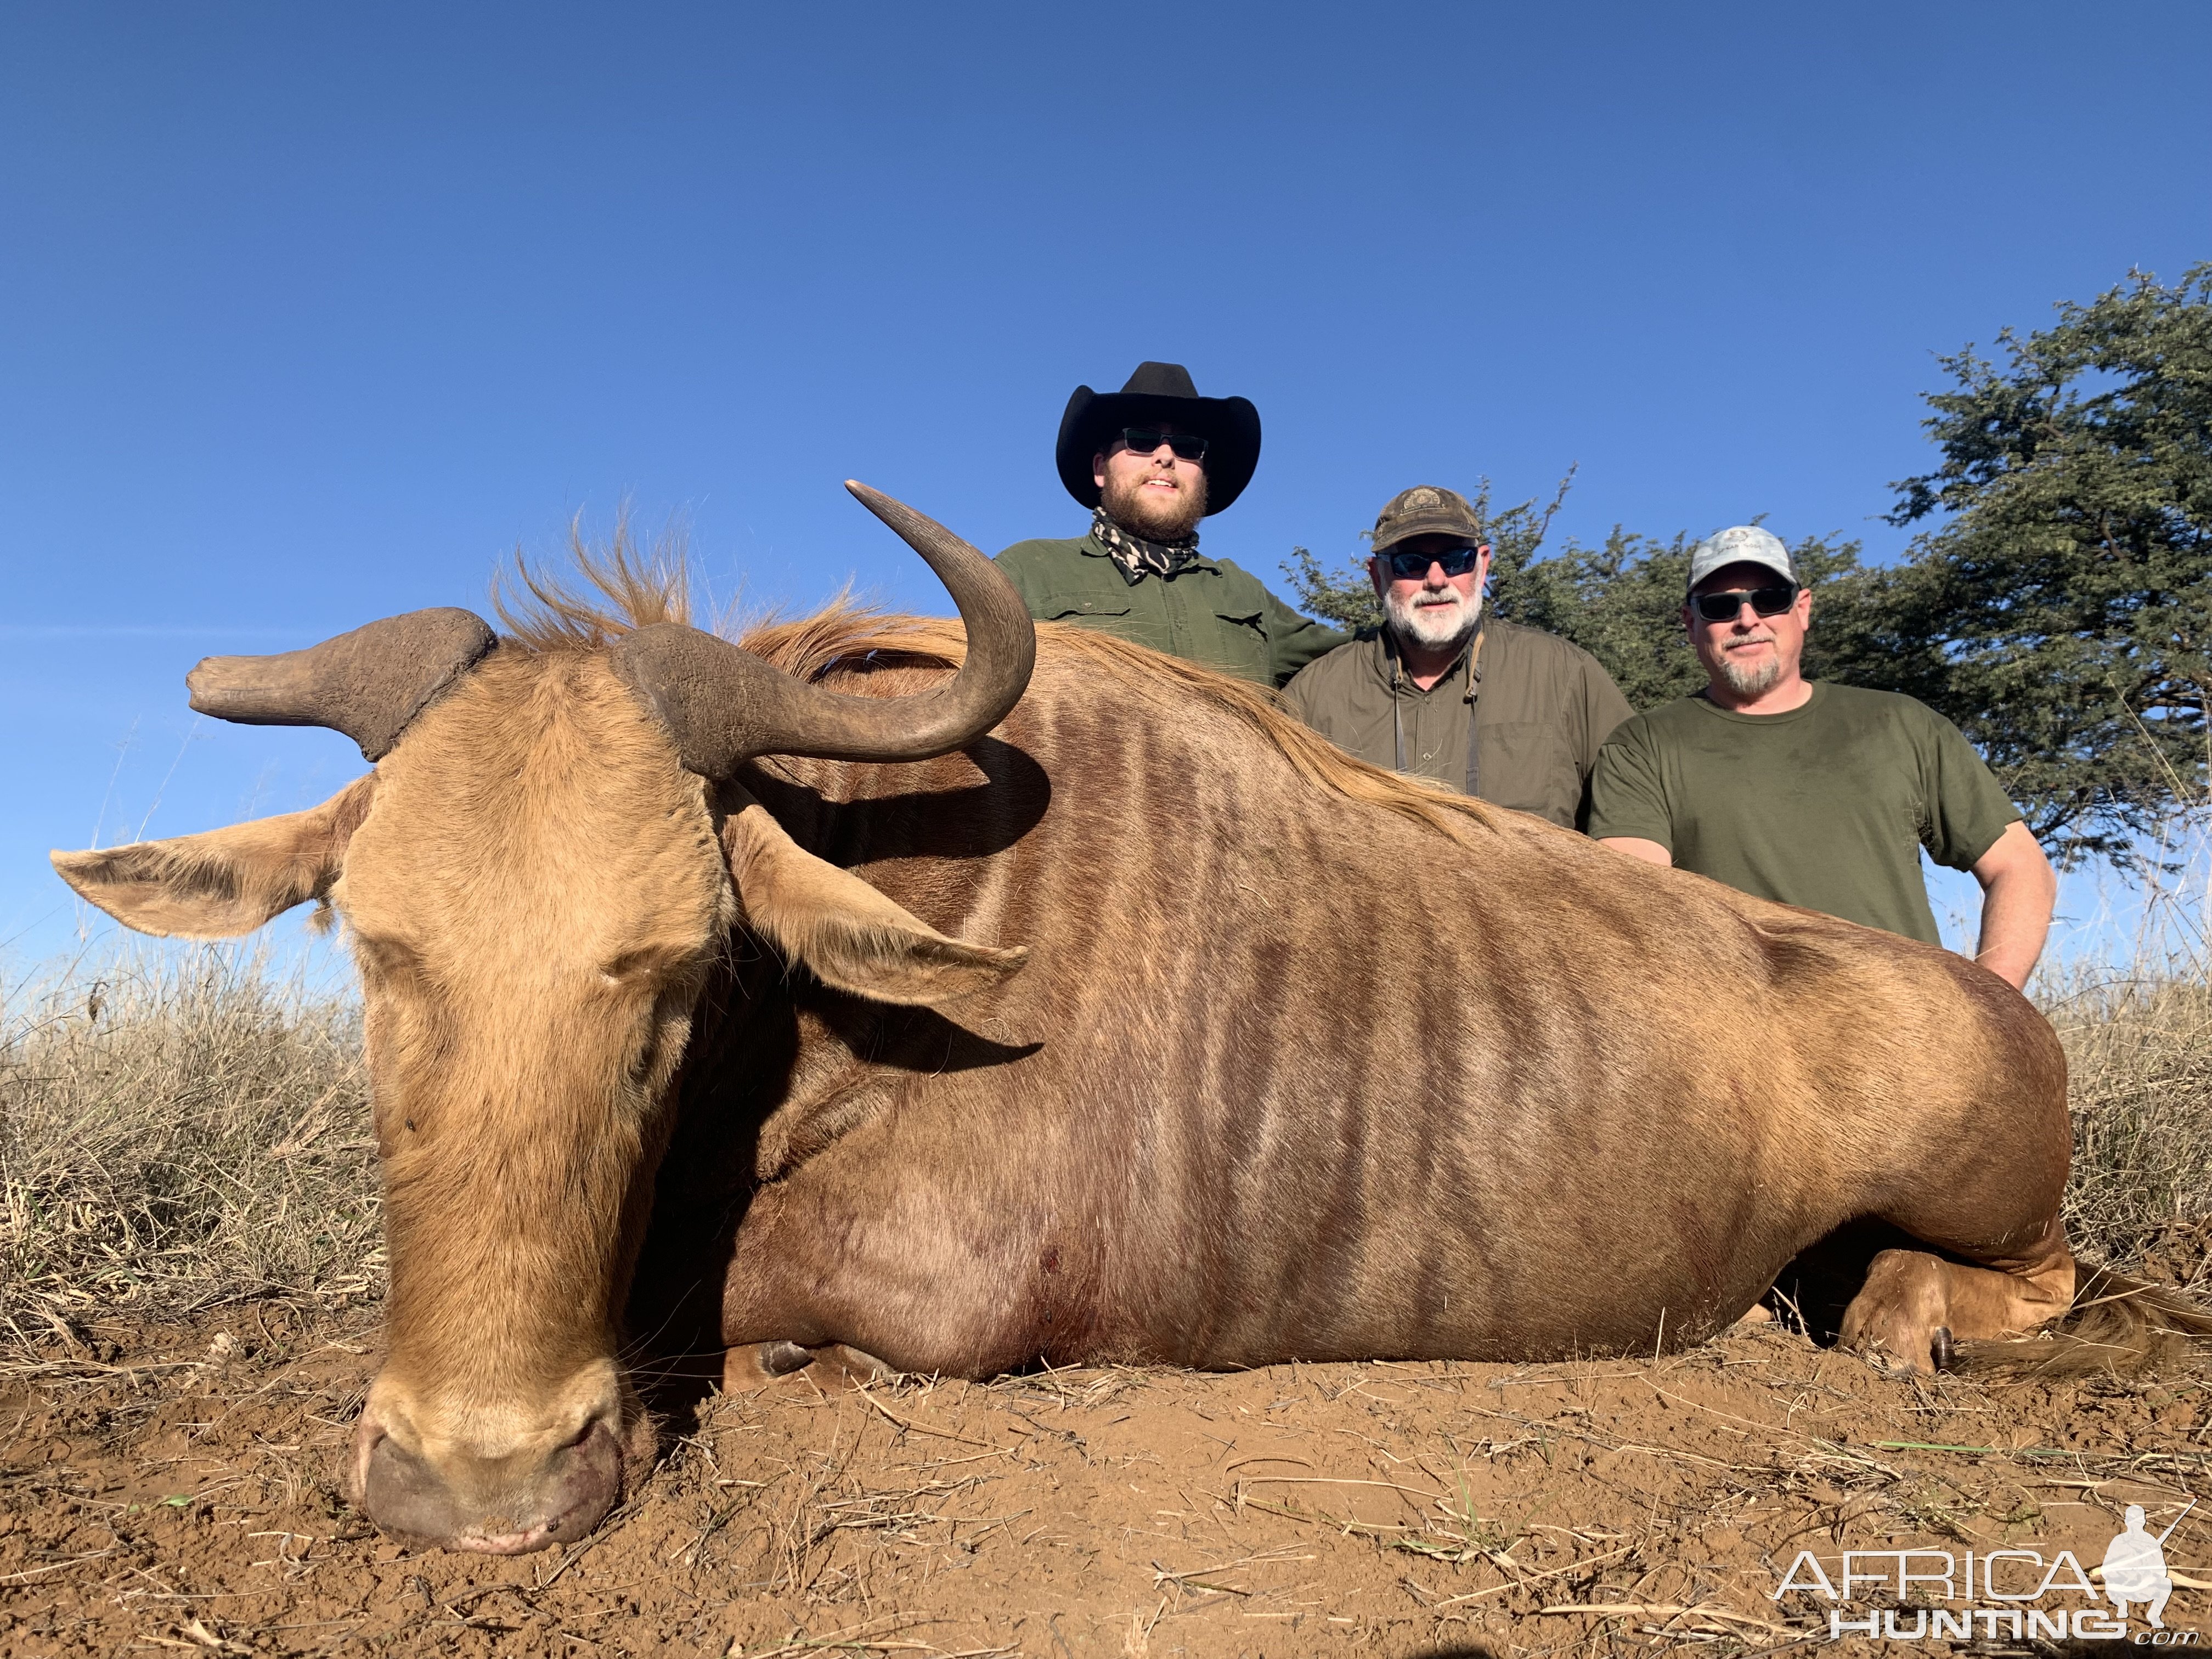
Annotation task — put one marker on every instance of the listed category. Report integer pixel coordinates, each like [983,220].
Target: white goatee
[1434,625]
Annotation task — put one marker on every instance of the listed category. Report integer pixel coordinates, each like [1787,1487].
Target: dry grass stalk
[178,1128]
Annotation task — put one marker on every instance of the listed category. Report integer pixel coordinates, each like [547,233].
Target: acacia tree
[2061,610]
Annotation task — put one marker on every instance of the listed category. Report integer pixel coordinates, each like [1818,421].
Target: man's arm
[1625,796]
[2019,888]
[1294,640]
[1603,710]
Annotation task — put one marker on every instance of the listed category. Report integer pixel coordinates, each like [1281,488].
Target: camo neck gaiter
[1135,555]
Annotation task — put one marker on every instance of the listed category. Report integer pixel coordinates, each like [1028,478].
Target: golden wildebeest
[1153,1028]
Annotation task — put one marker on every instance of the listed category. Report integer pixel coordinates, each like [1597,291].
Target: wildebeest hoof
[1941,1350]
[759,1364]
[781,1359]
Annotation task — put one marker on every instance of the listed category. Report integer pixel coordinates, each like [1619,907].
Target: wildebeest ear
[854,937]
[226,882]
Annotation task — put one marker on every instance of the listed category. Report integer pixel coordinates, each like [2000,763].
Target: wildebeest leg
[757,1364]
[1915,1305]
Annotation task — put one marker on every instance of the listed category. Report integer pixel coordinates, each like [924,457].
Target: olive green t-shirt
[1827,806]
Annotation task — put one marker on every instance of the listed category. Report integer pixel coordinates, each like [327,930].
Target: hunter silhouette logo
[2002,1592]
[2135,1568]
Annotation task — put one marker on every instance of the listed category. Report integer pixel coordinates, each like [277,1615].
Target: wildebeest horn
[367,683]
[723,705]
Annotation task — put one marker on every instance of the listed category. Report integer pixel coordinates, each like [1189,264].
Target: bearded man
[1150,461]
[1509,713]
[1810,793]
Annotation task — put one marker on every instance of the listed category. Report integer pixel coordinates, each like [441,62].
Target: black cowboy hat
[1160,392]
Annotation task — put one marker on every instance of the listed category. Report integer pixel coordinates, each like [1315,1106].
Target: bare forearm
[2015,921]
[1651,851]
[2019,888]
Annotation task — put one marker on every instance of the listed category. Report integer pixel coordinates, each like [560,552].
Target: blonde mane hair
[623,588]
[614,590]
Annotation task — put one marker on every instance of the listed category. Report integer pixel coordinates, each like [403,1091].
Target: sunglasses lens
[1764,602]
[1188,446]
[1411,566]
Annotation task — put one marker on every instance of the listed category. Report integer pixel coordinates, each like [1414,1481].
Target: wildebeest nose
[489,1507]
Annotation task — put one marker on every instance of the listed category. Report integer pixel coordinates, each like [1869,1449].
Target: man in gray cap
[1504,713]
[1150,461]
[1810,793]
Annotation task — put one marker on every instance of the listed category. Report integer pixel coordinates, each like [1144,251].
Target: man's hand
[1637,848]
[2018,887]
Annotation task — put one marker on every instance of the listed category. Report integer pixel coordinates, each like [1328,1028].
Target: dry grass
[179,1128]
[2141,1053]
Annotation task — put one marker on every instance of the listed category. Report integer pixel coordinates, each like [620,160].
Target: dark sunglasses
[1188,446]
[1766,601]
[1409,566]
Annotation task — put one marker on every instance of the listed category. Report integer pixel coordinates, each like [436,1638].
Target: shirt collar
[1389,669]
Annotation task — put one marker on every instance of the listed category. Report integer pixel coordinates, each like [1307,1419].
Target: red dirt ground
[173,1489]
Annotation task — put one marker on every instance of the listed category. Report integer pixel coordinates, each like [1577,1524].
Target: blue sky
[313,314]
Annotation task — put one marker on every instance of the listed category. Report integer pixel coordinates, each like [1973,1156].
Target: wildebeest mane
[624,587]
[614,590]
[852,643]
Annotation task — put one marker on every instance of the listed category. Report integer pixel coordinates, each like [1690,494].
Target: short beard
[1748,682]
[1436,627]
[1147,516]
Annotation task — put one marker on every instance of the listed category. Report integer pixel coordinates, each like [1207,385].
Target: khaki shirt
[1539,710]
[1210,612]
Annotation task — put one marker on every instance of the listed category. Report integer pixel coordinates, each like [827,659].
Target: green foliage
[1345,599]
[2062,612]
[1622,603]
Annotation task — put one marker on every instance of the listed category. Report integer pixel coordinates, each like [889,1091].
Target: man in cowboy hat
[1150,461]
[1509,713]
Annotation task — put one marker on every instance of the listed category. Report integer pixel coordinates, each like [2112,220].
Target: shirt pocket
[1089,609]
[1526,765]
[1243,646]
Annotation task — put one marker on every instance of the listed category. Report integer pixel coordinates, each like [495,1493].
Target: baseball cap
[1426,510]
[1743,543]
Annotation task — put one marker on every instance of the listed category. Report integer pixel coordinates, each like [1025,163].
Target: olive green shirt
[1210,612]
[1827,806]
[1536,708]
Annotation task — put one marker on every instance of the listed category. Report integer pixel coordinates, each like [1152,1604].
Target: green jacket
[1210,612]
[1538,710]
